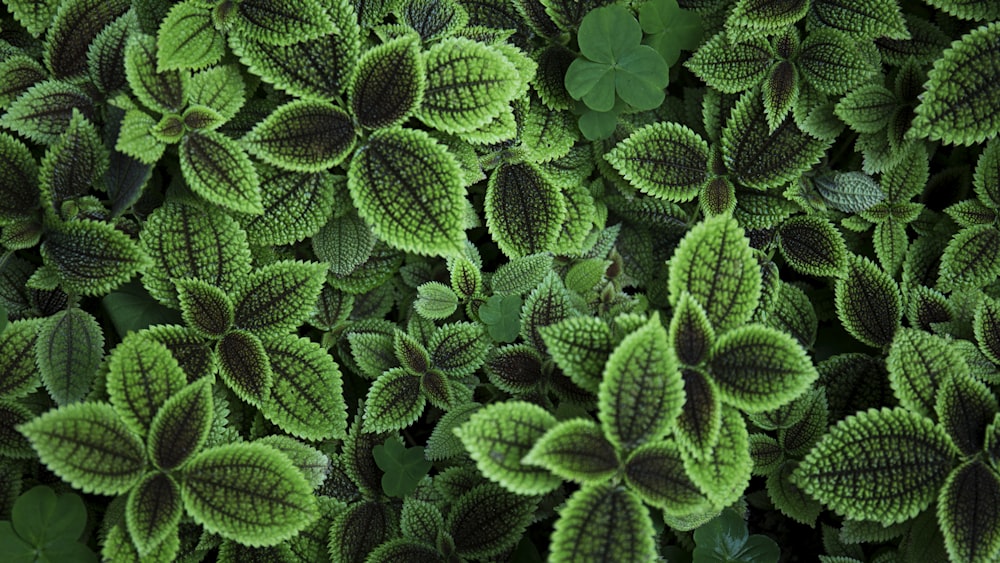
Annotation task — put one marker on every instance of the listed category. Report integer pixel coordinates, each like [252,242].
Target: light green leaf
[345,243]
[435,301]
[488,521]
[575,450]
[522,274]
[868,303]
[275,299]
[813,246]
[303,136]
[388,84]
[181,426]
[885,465]
[153,511]
[244,366]
[409,188]
[187,39]
[960,105]
[665,160]
[136,137]
[118,546]
[498,437]
[969,260]
[34,15]
[394,401]
[834,62]
[43,113]
[524,209]
[247,492]
[279,22]
[765,17]
[458,349]
[87,445]
[73,164]
[547,304]
[723,473]
[18,73]
[714,263]
[656,471]
[142,375]
[732,66]
[920,364]
[434,19]
[206,308]
[18,179]
[217,169]
[642,392]
[580,346]
[296,206]
[968,515]
[17,360]
[68,352]
[164,92]
[599,520]
[868,108]
[220,88]
[869,19]
[468,85]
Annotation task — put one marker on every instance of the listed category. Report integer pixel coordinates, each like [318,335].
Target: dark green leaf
[279,22]
[488,520]
[524,209]
[77,23]
[206,308]
[867,109]
[850,192]
[868,303]
[656,471]
[813,246]
[394,401]
[377,519]
[732,66]
[18,179]
[919,365]
[91,258]
[68,351]
[575,450]
[862,20]
[701,418]
[217,169]
[723,473]
[458,349]
[548,304]
[834,62]
[40,517]
[164,92]
[296,206]
[106,54]
[388,84]
[153,511]
[181,426]
[142,375]
[725,538]
[276,298]
[244,366]
[17,359]
[665,160]
[403,467]
[965,407]
[74,163]
[691,333]
[303,136]
[969,260]
[516,369]
[968,515]
[987,329]
[601,522]
[580,346]
[44,112]
[18,73]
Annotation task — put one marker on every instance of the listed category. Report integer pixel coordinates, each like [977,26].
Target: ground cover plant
[491,280]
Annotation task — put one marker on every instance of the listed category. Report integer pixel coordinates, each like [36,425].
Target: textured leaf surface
[850,192]
[91,258]
[524,210]
[18,179]
[665,160]
[182,425]
[960,105]
[303,136]
[656,471]
[76,24]
[17,361]
[580,346]
[986,325]
[388,83]
[488,520]
[700,420]
[74,163]
[247,492]
[87,445]
[861,19]
[69,349]
[965,407]
[883,465]
[205,308]
[919,364]
[276,298]
[576,450]
[296,206]
[187,38]
[715,265]
[244,366]
[345,243]
[969,259]
[868,303]
[723,474]
[409,188]
[142,375]
[601,523]
[498,437]
[217,169]
[458,349]
[280,22]
[394,401]
[834,62]
[813,246]
[691,333]
[153,511]
[732,66]
[968,515]
[164,92]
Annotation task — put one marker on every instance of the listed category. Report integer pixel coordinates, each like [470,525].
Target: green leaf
[656,472]
[436,301]
[189,242]
[296,206]
[118,546]
[714,263]
[306,398]
[516,369]
[219,88]
[813,246]
[142,375]
[987,176]
[18,179]
[732,66]
[303,136]
[77,23]
[665,160]
[862,20]
[276,299]
[376,518]
[794,314]
[187,38]
[723,473]
[394,401]
[834,62]
[44,112]
[765,17]
[669,29]
[885,465]
[601,521]
[244,366]
[498,437]
[153,511]
[409,188]
[68,351]
[547,304]
[206,308]
[850,192]
[580,346]
[87,445]
[247,492]
[217,169]
[488,520]
[969,260]
[965,407]
[868,303]
[34,15]
[725,538]
[458,349]
[691,334]
[314,464]
[279,22]
[17,361]
[642,392]
[105,63]
[468,85]
[410,353]
[388,84]
[434,19]
[404,467]
[867,109]
[524,209]
[164,92]
[136,138]
[522,274]
[345,243]
[575,450]
[781,91]
[960,104]
[91,258]
[986,325]
[40,518]
[761,157]
[74,163]
[701,418]
[967,513]
[19,72]
[181,426]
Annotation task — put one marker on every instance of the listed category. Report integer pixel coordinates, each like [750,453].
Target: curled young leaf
[303,136]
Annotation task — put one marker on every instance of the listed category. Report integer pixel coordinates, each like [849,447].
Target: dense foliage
[484,280]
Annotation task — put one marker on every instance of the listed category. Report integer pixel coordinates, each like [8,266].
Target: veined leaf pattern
[666,160]
[303,136]
[602,522]
[181,426]
[142,375]
[388,84]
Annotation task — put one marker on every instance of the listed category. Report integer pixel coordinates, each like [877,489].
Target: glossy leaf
[68,352]
[303,136]
[394,401]
[868,303]
[498,437]
[714,263]
[278,22]
[813,246]
[575,450]
[408,187]
[967,513]
[244,366]
[247,492]
[87,445]
[187,38]
[580,346]
[959,105]
[665,160]
[602,521]
[206,308]
[153,511]
[142,375]
[217,169]
[969,260]
[885,465]
[723,473]
[524,210]
[276,298]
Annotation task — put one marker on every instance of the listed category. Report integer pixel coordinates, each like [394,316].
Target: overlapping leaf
[74,163]
[868,19]
[18,179]
[723,473]
[600,522]
[580,346]
[142,375]
[68,351]
[277,22]
[43,113]
[488,520]
[388,84]
[965,408]
[576,450]
[205,308]
[76,24]
[244,366]
[665,160]
[165,92]
[276,298]
[217,169]
[303,136]
[656,471]
[701,419]
[296,206]
[868,303]
[181,426]
[969,260]
[187,38]
[524,209]
[394,401]
[732,66]
[17,361]
[153,511]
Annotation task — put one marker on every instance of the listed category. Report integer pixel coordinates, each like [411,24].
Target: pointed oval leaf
[206,308]
[19,72]
[247,492]
[834,62]
[575,450]
[488,520]
[885,465]
[458,349]
[850,192]
[164,92]
[986,325]
[701,418]
[714,263]
[68,351]
[919,365]
[547,304]
[388,83]
[142,375]
[244,366]
[219,88]
[970,259]
[17,361]
[524,210]
[74,163]
[75,26]
[813,246]
[217,169]
[18,179]
[409,188]
[394,401]
[276,298]
[642,392]
[410,353]
[435,301]
[868,108]
[153,511]
[516,369]
[377,519]
[691,333]
[732,66]
[303,136]
[498,437]
[44,112]
[759,368]
[600,522]
[296,206]
[794,314]
[656,471]
[87,445]
[960,105]
[187,38]
[345,243]
[867,20]
[665,160]
[306,398]
[868,303]
[723,474]
[275,22]
[965,407]
[468,84]
[106,54]
[91,258]
[580,346]
[968,513]
[181,426]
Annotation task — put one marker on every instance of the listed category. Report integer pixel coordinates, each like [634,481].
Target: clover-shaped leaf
[404,467]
